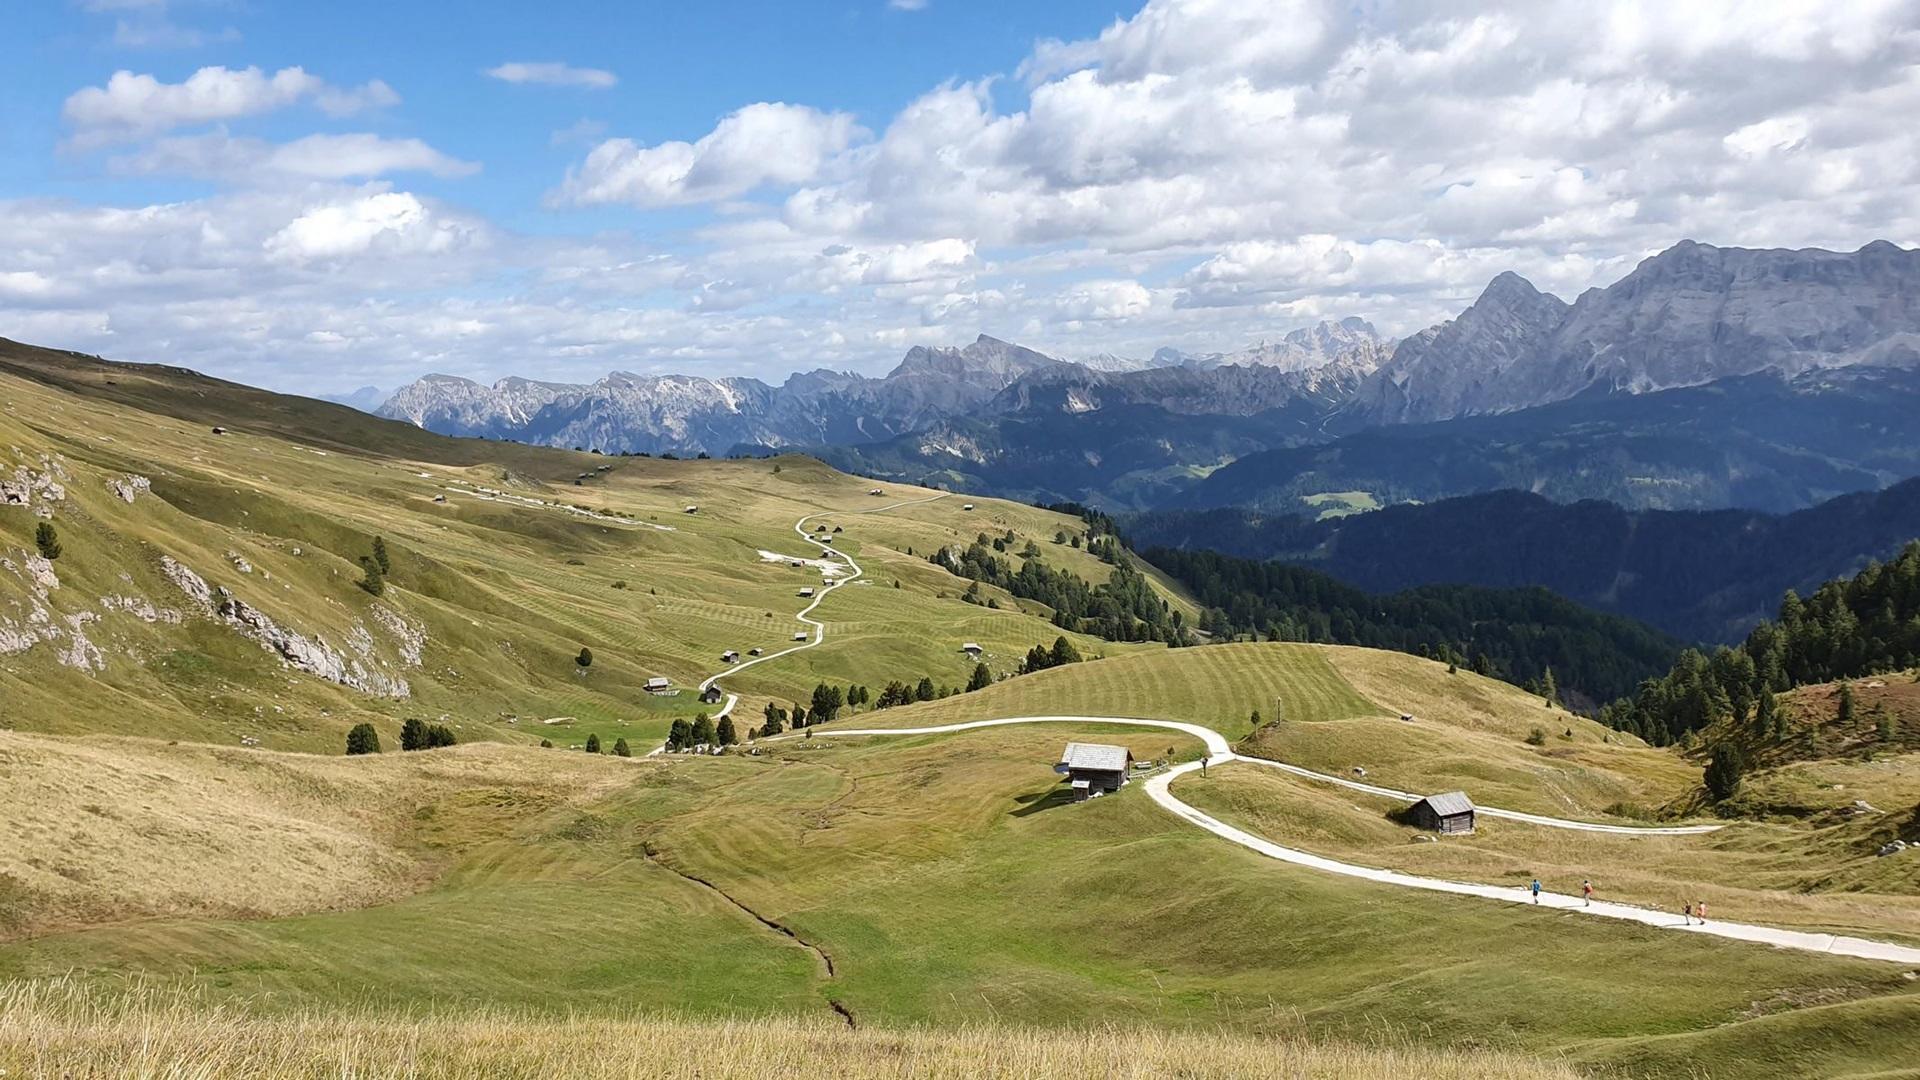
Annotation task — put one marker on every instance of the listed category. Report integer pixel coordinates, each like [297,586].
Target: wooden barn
[1094,768]
[712,695]
[1450,812]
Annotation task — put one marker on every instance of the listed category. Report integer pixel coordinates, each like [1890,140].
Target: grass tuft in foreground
[55,1029]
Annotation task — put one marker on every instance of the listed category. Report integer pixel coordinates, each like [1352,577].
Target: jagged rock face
[1690,315]
[1220,390]
[1300,350]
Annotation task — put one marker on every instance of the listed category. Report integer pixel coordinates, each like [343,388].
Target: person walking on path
[1686,912]
[1586,891]
[1700,909]
[1536,890]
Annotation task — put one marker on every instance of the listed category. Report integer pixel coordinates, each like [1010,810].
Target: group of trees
[1847,629]
[1122,608]
[701,732]
[415,734]
[1512,634]
[1040,658]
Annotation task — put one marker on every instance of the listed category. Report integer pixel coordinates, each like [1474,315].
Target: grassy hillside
[501,572]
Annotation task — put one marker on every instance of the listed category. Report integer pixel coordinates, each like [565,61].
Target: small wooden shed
[712,695]
[659,685]
[1448,812]
[1094,768]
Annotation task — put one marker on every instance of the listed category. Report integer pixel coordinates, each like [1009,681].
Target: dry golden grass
[93,830]
[50,1029]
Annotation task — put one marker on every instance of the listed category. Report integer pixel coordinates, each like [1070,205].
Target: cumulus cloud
[769,143]
[553,73]
[396,222]
[132,106]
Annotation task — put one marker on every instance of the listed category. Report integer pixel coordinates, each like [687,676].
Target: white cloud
[907,5]
[315,157]
[134,106]
[770,143]
[395,222]
[553,73]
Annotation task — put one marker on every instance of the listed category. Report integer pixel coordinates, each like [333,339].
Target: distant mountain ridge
[1121,432]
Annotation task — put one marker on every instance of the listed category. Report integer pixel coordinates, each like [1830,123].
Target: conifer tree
[47,539]
[362,739]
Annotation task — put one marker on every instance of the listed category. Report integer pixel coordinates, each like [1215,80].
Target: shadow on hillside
[1043,800]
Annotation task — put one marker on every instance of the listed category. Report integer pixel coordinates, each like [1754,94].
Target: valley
[923,881]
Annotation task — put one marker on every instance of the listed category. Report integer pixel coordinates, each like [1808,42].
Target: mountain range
[1802,332]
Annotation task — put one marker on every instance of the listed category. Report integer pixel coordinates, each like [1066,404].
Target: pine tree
[593,743]
[621,749]
[924,691]
[680,736]
[440,735]
[380,555]
[1846,705]
[1548,690]
[702,732]
[724,732]
[1063,652]
[1724,771]
[413,734]
[362,739]
[47,539]
[980,679]
[370,577]
[776,720]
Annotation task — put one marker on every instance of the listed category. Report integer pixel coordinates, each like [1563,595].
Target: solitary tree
[1254,719]
[980,679]
[370,577]
[1846,704]
[48,541]
[362,739]
[585,659]
[593,744]
[724,731]
[620,748]
[413,734]
[1724,771]
[1548,690]
[380,555]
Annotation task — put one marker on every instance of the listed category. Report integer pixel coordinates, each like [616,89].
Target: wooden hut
[1094,768]
[1449,812]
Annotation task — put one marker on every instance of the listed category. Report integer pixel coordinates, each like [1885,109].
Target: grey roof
[1449,803]
[1084,755]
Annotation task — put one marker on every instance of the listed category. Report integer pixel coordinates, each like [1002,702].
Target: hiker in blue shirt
[1536,890]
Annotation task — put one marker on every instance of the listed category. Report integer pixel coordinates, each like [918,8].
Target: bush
[585,659]
[593,744]
[1537,737]
[440,735]
[413,734]
[48,541]
[546,744]
[620,748]
[362,739]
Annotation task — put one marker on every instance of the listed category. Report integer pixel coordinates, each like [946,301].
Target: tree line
[1865,625]
[1512,634]
[1122,608]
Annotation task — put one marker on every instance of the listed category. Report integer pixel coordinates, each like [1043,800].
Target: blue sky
[314,196]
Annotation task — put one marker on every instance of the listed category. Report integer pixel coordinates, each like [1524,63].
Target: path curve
[1159,789]
[804,615]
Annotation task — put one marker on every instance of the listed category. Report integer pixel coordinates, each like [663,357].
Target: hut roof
[1099,756]
[1449,803]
